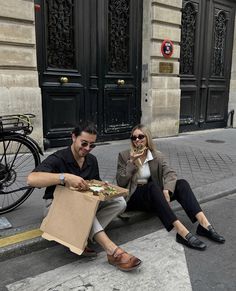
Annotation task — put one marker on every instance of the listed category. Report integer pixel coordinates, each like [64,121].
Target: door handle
[120,82]
[64,80]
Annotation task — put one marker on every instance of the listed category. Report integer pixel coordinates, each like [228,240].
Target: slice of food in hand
[139,149]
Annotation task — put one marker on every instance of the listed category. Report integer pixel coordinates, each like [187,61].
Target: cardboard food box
[71,214]
[105,191]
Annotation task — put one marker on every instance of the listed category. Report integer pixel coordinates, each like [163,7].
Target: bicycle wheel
[18,157]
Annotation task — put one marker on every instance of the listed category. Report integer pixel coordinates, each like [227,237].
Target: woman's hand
[167,195]
[134,156]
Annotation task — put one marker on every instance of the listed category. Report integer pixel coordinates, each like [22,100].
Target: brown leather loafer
[123,261]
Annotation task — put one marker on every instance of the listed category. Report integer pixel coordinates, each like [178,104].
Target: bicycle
[19,155]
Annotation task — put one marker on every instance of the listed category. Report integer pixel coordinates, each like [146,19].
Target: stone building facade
[160,98]
[161,93]
[19,89]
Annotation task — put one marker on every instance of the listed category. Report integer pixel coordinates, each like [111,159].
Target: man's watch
[62,179]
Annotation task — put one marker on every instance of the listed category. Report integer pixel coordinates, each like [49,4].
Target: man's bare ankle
[110,250]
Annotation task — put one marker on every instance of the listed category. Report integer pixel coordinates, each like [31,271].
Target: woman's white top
[144,171]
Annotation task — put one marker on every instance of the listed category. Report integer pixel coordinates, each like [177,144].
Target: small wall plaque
[166,68]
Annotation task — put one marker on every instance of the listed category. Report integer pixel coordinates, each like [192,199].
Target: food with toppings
[139,149]
[102,188]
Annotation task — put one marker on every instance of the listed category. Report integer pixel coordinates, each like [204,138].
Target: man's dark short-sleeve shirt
[63,161]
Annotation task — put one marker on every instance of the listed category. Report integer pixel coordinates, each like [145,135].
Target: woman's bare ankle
[180,228]
[183,233]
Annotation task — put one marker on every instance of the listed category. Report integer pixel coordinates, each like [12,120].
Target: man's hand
[44,179]
[75,182]
[167,195]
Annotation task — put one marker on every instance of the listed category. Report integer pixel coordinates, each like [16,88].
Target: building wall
[19,90]
[161,92]
[232,92]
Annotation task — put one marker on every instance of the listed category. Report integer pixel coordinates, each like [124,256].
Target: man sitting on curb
[71,167]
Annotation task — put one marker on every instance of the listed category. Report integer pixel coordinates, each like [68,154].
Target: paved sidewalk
[207,159]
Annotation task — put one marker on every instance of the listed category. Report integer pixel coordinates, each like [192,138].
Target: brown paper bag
[70,218]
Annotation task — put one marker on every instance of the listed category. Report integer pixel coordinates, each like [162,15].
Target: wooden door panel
[91,44]
[61,56]
[187,105]
[121,66]
[220,66]
[216,104]
[223,20]
[63,109]
[119,110]
[206,55]
[189,62]
[61,36]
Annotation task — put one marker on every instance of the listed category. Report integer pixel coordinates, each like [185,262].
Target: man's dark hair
[86,126]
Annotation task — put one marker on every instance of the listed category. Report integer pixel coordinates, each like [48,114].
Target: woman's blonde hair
[147,133]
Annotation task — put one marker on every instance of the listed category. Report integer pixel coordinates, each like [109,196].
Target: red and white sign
[167,48]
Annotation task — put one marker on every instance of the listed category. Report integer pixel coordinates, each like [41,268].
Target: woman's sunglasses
[139,137]
[85,143]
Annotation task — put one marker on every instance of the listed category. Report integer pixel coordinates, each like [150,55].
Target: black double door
[205,65]
[89,60]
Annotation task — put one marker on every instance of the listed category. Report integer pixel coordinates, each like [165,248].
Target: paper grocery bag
[70,218]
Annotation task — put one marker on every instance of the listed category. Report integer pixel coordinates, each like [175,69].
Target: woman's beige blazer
[161,173]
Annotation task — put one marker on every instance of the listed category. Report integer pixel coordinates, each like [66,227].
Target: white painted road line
[164,268]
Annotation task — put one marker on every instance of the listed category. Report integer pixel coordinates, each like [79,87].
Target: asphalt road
[166,264]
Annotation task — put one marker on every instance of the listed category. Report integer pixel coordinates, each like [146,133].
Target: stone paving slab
[167,270]
[199,167]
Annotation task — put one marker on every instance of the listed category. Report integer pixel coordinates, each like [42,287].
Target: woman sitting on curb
[153,185]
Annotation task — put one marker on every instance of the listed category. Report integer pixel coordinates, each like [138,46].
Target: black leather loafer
[210,233]
[191,241]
